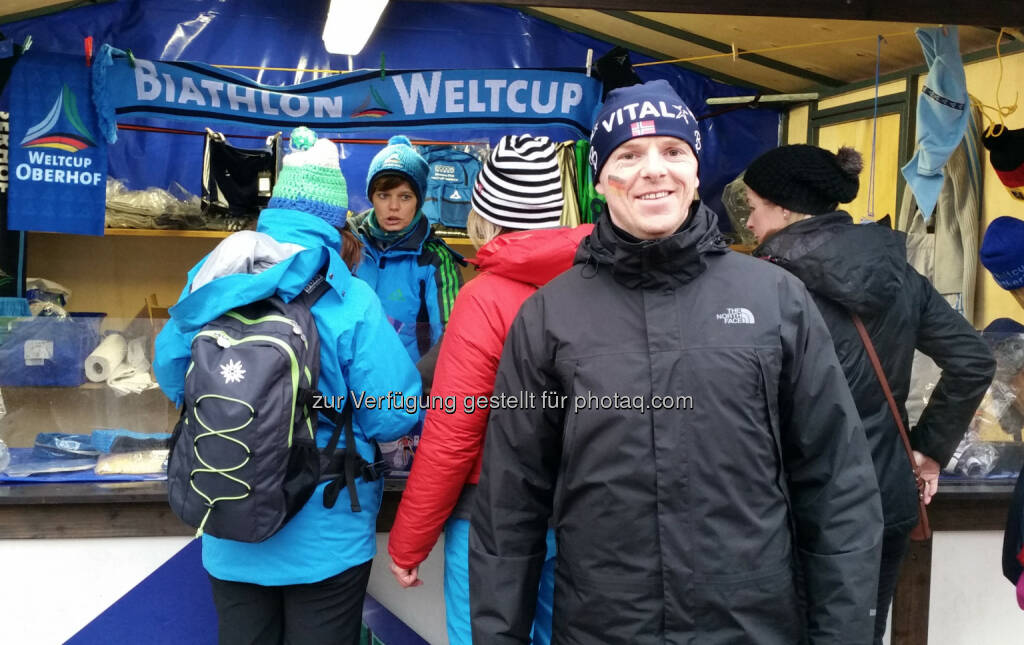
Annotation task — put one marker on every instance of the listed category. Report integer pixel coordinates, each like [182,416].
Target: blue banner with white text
[58,160]
[395,101]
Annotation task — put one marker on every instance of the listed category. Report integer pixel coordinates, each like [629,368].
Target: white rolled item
[106,358]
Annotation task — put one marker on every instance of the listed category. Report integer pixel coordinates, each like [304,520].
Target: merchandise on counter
[107,357]
[23,464]
[152,208]
[44,351]
[43,290]
[140,462]
[117,440]
[237,182]
[450,178]
[63,445]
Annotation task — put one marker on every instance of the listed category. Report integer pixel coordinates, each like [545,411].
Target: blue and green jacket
[359,352]
[416,279]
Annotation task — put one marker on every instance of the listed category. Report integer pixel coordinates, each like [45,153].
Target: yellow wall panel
[991,300]
[796,127]
[857,135]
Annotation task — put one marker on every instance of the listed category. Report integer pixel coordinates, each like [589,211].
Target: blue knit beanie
[310,179]
[400,158]
[652,109]
[1002,251]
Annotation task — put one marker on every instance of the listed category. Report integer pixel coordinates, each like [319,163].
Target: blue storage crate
[47,351]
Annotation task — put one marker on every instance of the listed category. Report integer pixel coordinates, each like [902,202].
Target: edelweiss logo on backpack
[736,316]
[232,372]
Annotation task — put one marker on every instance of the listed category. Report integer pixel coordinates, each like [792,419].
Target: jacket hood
[533,257]
[285,278]
[411,242]
[859,266]
[661,263]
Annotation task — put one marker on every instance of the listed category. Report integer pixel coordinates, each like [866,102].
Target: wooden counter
[139,509]
[128,509]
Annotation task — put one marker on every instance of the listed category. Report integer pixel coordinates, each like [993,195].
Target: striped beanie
[310,179]
[520,186]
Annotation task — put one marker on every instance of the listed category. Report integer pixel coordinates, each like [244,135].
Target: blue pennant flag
[58,160]
[398,102]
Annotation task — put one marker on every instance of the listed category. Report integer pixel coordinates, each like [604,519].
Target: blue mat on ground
[172,605]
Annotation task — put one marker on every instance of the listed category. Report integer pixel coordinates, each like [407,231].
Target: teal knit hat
[400,158]
[310,180]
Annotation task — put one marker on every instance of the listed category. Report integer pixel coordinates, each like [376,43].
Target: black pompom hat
[806,179]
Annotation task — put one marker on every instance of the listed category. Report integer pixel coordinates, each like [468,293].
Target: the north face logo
[736,316]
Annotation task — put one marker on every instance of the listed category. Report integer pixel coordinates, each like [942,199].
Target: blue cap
[400,158]
[1002,251]
[652,109]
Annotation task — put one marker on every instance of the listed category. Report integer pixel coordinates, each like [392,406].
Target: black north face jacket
[682,521]
[863,268]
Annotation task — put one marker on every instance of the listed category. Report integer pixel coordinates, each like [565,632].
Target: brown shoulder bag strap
[922,531]
[869,347]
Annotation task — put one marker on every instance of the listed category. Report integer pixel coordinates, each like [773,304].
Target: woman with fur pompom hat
[794,192]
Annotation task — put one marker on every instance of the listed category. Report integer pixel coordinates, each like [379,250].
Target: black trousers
[895,543]
[325,612]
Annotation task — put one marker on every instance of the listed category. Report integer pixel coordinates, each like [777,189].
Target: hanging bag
[923,531]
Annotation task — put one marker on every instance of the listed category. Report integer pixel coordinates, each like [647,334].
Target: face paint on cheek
[618,183]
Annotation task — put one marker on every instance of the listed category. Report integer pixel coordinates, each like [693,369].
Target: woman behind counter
[415,274]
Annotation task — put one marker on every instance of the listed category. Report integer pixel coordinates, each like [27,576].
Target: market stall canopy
[779,46]
[793,46]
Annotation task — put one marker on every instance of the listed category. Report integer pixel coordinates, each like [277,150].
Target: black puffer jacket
[680,524]
[863,268]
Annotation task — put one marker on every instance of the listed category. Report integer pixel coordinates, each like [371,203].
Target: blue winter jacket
[416,279]
[359,352]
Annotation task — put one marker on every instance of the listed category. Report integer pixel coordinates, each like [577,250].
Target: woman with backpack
[517,204]
[306,582]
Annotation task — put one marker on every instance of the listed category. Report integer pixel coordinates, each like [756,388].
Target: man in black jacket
[693,440]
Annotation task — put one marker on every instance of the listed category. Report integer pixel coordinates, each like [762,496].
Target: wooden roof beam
[952,12]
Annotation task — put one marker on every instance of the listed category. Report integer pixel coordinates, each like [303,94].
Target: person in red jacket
[517,205]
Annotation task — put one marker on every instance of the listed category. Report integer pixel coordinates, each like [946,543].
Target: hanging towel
[941,115]
[568,170]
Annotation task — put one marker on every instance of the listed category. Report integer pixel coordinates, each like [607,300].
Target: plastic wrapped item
[734,199]
[45,351]
[41,290]
[175,208]
[974,457]
[5,456]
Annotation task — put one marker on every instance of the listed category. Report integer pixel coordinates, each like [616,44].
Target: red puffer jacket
[513,266]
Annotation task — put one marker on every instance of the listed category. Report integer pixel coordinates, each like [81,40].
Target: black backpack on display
[237,182]
[243,457]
